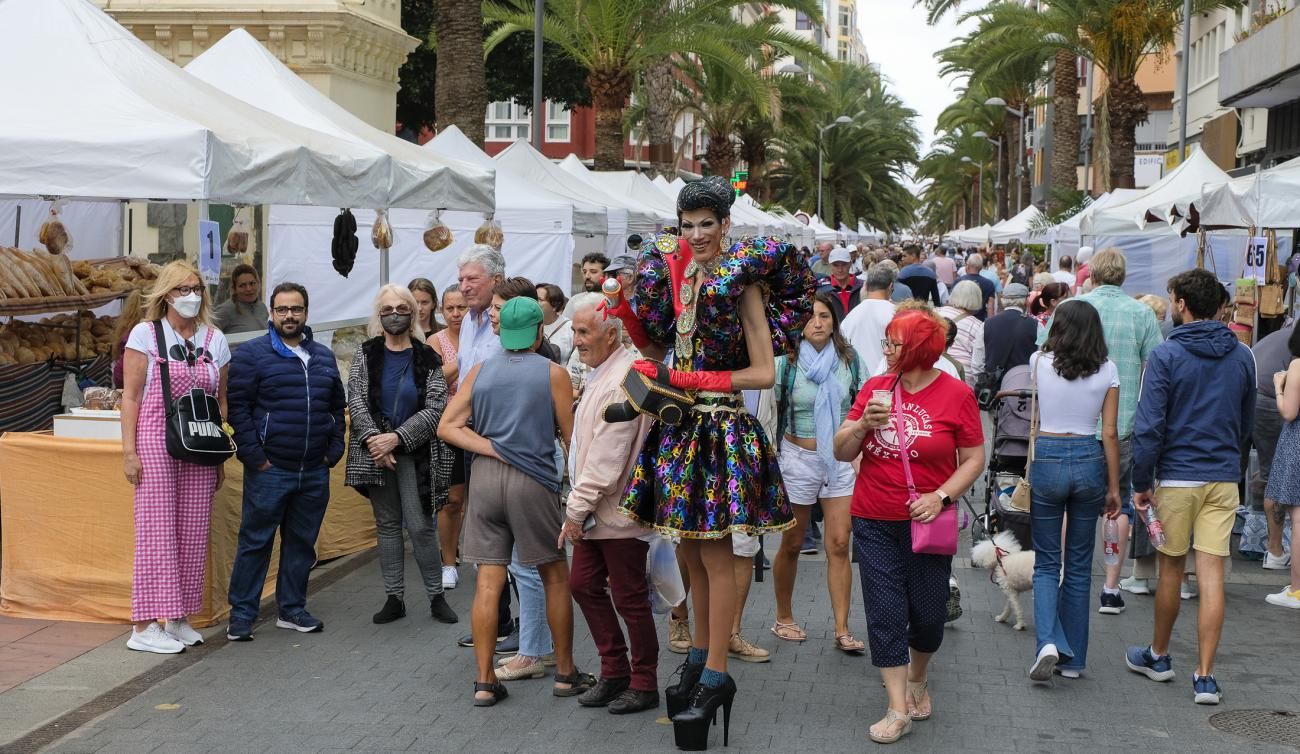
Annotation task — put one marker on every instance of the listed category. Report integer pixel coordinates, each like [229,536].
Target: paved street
[406,687]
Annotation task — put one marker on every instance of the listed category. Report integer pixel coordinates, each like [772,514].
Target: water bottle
[1155,529]
[1110,542]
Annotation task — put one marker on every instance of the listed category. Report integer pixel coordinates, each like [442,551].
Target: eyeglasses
[387,310]
[888,345]
[283,310]
[186,290]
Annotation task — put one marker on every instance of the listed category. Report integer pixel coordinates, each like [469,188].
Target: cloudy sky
[900,41]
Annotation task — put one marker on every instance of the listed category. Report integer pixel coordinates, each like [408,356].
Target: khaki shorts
[510,509]
[1203,515]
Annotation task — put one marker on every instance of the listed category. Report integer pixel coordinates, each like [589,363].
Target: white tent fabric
[628,186]
[1268,199]
[1154,258]
[866,234]
[1019,228]
[240,65]
[800,233]
[1132,217]
[95,227]
[848,234]
[977,236]
[91,112]
[1066,237]
[540,254]
[788,229]
[822,232]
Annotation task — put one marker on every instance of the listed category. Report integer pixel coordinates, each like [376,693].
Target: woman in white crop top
[1073,477]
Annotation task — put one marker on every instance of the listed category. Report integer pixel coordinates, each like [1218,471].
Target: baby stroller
[1007,461]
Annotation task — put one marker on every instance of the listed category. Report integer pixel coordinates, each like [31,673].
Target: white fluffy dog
[1012,569]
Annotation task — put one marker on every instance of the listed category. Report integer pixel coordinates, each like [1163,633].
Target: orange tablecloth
[67,534]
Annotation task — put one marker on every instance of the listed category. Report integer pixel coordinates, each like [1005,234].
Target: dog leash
[998,552]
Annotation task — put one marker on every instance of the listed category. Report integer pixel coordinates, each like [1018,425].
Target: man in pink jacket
[607,546]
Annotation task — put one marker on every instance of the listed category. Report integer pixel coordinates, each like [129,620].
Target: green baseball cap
[519,320]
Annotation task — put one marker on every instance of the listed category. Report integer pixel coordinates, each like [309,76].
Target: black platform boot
[678,695]
[691,725]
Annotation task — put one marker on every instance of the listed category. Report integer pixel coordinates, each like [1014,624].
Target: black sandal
[578,683]
[496,688]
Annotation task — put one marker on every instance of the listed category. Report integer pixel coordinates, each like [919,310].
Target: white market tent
[1140,227]
[1066,238]
[848,234]
[91,112]
[239,64]
[1019,228]
[1151,206]
[800,232]
[625,217]
[868,235]
[821,231]
[627,186]
[1267,199]
[977,236]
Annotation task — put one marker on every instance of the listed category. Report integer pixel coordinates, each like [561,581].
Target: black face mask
[395,324]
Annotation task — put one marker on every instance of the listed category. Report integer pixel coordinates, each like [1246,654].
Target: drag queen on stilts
[720,311]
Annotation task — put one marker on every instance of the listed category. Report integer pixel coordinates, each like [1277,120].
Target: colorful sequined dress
[716,472]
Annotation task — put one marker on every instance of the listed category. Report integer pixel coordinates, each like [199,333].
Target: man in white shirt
[481,268]
[865,325]
[1066,273]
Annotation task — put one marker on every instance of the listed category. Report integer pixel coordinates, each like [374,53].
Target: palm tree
[616,40]
[1118,35]
[865,161]
[952,193]
[460,90]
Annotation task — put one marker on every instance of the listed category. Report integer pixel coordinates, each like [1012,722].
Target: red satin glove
[623,311]
[718,382]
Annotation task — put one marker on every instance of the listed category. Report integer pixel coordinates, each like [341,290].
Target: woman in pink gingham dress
[173,499]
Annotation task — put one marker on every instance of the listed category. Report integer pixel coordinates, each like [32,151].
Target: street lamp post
[997,173]
[837,122]
[1020,158]
[539,113]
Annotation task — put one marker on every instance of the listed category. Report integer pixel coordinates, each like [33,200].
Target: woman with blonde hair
[396,396]
[173,498]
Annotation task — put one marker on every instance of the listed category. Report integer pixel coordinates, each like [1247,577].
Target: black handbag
[194,432]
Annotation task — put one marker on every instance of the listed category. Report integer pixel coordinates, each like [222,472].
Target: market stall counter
[67,532]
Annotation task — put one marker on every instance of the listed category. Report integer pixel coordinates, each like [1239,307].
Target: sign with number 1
[210,252]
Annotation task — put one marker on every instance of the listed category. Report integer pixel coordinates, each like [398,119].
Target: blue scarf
[819,368]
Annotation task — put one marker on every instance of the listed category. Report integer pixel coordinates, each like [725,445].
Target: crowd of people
[839,401]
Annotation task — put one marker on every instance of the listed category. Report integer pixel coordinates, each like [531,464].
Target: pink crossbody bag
[937,537]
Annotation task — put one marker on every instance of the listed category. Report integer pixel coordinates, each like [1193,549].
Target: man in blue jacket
[286,405]
[1196,408]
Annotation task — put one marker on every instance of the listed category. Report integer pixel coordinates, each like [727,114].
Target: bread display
[118,275]
[56,338]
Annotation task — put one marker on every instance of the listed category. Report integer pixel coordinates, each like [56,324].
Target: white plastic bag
[663,575]
[381,233]
[490,233]
[237,238]
[53,235]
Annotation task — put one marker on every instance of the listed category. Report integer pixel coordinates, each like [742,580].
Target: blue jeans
[1069,483]
[293,502]
[534,631]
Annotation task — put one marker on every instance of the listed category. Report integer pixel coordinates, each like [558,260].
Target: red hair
[922,337]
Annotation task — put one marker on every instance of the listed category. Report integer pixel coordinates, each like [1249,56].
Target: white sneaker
[450,577]
[1277,562]
[1285,598]
[154,639]
[181,630]
[1188,591]
[1041,670]
[1135,586]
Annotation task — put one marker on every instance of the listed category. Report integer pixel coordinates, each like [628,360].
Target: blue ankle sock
[697,656]
[712,678]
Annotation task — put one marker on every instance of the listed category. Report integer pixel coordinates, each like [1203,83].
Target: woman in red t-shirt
[905,593]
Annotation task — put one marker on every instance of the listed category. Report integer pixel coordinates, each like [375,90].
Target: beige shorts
[1200,515]
[509,509]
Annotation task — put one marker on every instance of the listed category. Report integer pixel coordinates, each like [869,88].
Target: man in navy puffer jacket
[286,405]
[1197,406]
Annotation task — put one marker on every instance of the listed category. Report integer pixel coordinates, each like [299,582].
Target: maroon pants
[620,564]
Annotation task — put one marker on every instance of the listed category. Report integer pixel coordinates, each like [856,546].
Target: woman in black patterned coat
[396,396]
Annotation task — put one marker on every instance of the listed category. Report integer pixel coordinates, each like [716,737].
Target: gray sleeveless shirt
[512,407]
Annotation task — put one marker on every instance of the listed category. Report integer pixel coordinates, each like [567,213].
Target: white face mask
[188,306]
